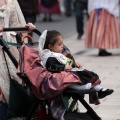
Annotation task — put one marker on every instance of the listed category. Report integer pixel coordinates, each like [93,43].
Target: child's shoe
[102,94]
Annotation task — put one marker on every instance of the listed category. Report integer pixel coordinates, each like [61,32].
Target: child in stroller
[36,68]
[50,49]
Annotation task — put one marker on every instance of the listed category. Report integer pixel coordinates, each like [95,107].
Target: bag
[19,101]
[3,111]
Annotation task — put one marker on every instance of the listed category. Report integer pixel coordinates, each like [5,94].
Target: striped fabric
[103,30]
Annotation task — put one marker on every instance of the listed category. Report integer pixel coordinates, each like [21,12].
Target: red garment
[45,84]
[55,9]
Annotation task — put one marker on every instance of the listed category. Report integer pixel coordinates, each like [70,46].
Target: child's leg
[102,92]
[98,88]
[80,87]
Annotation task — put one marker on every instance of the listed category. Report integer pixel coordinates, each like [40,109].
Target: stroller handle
[21,29]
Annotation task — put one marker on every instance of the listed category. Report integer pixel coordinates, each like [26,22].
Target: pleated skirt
[103,30]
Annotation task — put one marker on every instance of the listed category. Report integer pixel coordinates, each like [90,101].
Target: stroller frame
[79,95]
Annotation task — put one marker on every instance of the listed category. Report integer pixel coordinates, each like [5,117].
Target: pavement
[108,68]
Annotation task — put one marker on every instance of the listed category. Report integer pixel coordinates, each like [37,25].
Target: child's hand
[78,65]
[67,67]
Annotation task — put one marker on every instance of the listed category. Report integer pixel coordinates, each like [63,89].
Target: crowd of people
[102,32]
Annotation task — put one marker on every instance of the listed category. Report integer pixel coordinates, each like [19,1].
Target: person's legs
[80,87]
[79,26]
[68,7]
[102,92]
[50,18]
[79,18]
[90,80]
[45,17]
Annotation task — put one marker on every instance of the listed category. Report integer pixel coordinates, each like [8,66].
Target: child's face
[58,46]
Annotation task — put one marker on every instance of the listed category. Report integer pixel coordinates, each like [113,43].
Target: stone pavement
[108,68]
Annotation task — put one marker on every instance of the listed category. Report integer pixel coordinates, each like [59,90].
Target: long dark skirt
[87,76]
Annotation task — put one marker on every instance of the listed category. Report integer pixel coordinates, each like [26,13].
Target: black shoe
[102,94]
[44,19]
[68,14]
[104,53]
[79,36]
[50,19]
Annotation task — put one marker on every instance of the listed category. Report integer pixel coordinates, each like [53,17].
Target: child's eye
[60,44]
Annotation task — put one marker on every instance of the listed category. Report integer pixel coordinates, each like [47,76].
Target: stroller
[28,105]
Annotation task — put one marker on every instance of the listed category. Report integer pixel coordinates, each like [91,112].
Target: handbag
[19,100]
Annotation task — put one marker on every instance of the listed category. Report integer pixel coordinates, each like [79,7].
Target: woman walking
[49,7]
